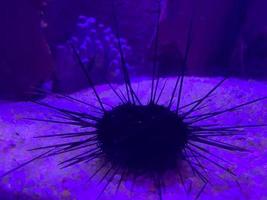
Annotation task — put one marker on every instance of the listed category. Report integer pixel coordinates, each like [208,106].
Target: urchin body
[142,138]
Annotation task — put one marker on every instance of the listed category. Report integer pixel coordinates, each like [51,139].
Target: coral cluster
[99,44]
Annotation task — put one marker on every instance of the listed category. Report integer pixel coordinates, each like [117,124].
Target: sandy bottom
[43,179]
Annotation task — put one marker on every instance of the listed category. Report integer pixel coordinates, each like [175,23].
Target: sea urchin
[142,138]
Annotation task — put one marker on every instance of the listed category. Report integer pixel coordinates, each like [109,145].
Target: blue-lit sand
[44,180]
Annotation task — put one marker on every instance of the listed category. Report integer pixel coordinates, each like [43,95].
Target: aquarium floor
[44,180]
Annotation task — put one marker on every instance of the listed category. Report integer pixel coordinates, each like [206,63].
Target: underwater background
[228,38]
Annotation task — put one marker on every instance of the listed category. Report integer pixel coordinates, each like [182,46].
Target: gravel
[43,179]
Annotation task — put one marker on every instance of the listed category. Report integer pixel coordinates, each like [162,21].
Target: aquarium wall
[229,38]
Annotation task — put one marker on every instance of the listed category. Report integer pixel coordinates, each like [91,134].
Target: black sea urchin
[143,139]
